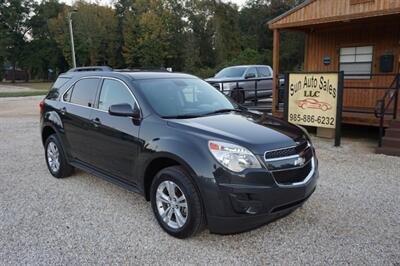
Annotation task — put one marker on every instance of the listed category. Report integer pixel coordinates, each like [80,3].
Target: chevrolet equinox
[199,158]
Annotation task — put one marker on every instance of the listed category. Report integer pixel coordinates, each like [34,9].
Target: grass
[41,89]
[23,93]
[32,85]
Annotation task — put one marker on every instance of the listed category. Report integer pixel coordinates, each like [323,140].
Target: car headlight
[233,157]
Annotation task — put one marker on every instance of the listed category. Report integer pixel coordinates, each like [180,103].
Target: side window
[252,70]
[114,92]
[84,92]
[55,88]
[67,95]
[263,72]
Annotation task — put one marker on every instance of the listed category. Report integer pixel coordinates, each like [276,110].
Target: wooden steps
[391,140]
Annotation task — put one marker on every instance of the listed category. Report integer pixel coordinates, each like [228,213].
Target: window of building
[356,61]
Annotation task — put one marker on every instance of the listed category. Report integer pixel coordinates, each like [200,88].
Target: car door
[264,86]
[75,113]
[249,85]
[116,138]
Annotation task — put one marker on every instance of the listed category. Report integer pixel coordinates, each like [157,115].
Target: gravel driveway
[353,217]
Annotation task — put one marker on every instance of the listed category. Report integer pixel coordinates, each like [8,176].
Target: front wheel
[176,203]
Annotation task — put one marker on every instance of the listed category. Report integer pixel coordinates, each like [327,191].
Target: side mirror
[250,76]
[124,109]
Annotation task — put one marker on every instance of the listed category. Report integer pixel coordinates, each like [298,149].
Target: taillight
[41,106]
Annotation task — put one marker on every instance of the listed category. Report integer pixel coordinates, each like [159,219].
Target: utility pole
[71,33]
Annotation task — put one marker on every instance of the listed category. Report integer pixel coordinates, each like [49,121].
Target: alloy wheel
[53,157]
[171,204]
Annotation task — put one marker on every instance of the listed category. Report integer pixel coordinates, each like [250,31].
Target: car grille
[292,165]
[302,144]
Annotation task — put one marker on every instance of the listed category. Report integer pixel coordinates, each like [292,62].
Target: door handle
[96,122]
[63,110]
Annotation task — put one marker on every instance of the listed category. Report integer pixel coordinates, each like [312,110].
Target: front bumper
[241,207]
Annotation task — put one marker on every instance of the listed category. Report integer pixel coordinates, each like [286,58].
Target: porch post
[275,67]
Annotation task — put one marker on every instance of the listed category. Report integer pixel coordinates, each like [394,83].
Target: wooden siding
[326,11]
[383,36]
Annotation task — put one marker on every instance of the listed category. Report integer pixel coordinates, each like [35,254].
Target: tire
[193,215]
[238,96]
[55,158]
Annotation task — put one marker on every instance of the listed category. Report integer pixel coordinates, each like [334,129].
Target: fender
[168,155]
[197,164]
[53,120]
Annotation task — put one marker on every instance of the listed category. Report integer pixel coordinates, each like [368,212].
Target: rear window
[60,82]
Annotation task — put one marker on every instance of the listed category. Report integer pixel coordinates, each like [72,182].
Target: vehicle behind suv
[243,78]
[199,158]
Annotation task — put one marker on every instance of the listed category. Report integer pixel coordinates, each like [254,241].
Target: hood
[258,133]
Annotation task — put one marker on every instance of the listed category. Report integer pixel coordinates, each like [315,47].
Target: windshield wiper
[220,111]
[186,116]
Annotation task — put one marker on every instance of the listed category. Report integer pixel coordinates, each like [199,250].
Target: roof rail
[90,68]
[142,69]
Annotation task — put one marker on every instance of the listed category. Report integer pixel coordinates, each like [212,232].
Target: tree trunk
[14,63]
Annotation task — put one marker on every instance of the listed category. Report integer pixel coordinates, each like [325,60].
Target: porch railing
[383,106]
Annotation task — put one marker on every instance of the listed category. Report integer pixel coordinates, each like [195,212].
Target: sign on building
[315,99]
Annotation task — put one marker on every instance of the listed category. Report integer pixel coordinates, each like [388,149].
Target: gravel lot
[353,217]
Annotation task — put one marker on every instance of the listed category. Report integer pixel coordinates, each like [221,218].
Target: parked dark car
[198,157]
[239,82]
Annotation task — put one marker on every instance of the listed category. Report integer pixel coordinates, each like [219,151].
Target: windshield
[231,72]
[183,97]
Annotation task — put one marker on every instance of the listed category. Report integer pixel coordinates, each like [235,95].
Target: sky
[107,2]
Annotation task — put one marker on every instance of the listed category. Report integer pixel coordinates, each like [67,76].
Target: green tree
[122,12]
[227,34]
[200,50]
[95,34]
[41,52]
[15,25]
[154,34]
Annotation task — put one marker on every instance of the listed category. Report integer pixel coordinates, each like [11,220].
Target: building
[359,37]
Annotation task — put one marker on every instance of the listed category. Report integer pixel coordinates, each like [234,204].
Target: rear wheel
[176,203]
[55,159]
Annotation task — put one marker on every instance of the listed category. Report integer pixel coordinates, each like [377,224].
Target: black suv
[198,157]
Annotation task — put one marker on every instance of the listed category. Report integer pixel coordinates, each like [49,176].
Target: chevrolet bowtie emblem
[299,161]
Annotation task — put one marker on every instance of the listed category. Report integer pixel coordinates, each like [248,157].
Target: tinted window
[231,72]
[67,95]
[60,82]
[264,72]
[179,97]
[84,92]
[53,93]
[114,92]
